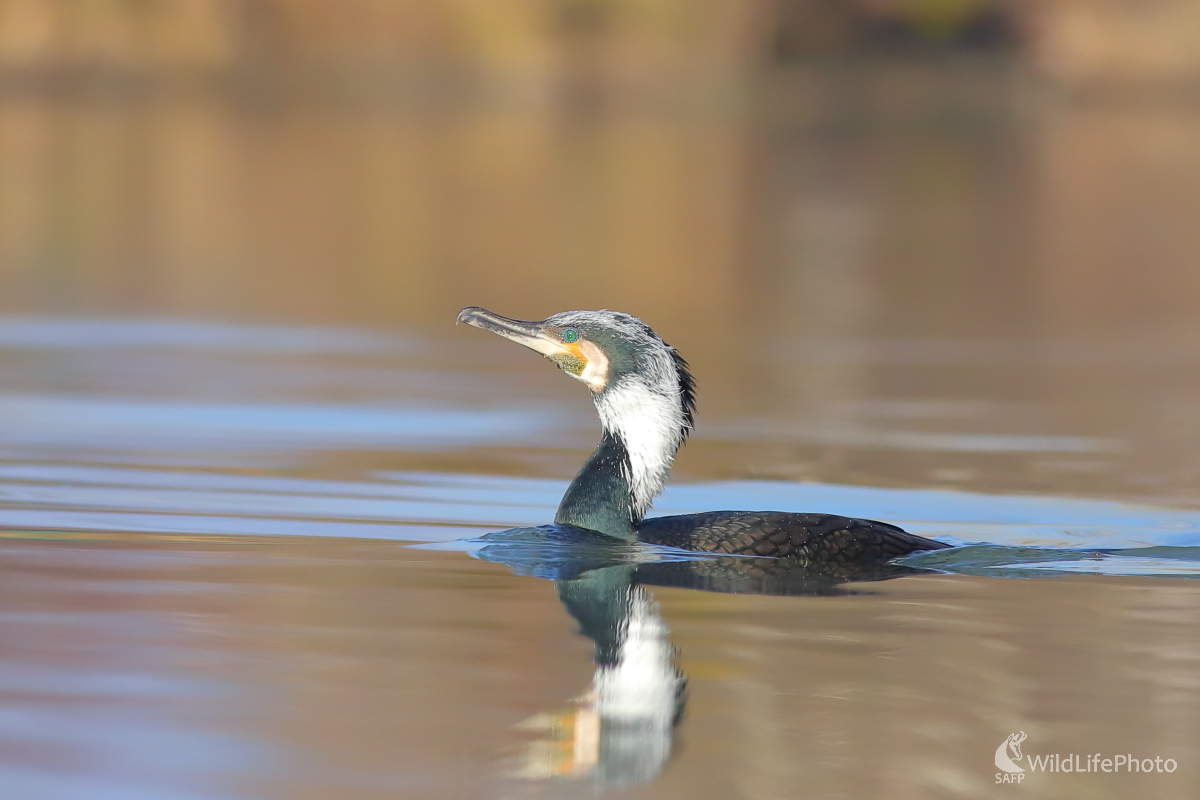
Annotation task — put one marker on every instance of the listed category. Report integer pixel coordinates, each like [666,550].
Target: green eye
[570,336]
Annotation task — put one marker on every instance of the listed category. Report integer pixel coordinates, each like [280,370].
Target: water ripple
[437,507]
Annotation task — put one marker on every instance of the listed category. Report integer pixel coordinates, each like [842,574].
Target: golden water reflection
[299,668]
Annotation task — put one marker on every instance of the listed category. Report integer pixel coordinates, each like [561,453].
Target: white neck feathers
[649,421]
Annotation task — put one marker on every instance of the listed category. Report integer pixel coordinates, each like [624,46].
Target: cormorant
[645,396]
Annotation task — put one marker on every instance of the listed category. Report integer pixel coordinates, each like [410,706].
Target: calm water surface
[210,590]
[241,443]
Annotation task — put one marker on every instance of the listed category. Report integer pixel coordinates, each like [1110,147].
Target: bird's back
[825,538]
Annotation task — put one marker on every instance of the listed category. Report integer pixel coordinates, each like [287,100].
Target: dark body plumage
[826,538]
[645,395]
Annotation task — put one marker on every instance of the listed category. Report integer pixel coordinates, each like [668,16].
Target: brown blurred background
[815,199]
[363,161]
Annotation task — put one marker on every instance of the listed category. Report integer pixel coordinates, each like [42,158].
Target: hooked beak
[531,334]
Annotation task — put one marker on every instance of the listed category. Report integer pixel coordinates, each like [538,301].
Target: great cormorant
[646,397]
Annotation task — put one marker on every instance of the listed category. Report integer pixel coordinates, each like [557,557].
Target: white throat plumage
[649,421]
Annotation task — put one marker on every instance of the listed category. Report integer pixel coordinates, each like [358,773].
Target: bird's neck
[599,497]
[643,428]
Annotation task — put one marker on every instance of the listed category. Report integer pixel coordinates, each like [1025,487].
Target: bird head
[643,390]
[609,351]
[641,386]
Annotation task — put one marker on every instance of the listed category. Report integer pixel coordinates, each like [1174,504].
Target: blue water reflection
[172,455]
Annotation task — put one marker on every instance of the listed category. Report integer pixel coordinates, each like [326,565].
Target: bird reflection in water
[621,730]
[603,550]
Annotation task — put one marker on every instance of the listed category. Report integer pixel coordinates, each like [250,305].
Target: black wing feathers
[816,537]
